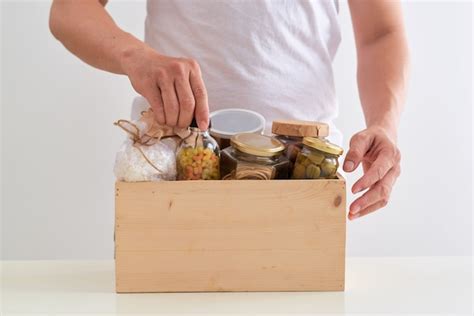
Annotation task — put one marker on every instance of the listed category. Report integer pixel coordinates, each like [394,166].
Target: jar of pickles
[317,160]
[254,156]
[197,157]
[292,132]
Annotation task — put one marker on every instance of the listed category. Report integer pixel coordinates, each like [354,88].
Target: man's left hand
[380,158]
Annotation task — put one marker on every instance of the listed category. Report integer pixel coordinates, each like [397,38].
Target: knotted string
[145,140]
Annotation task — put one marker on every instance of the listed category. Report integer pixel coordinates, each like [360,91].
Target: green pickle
[329,168]
[302,160]
[316,157]
[299,171]
[317,160]
[313,172]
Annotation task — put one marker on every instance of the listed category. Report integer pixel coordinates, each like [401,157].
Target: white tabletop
[441,285]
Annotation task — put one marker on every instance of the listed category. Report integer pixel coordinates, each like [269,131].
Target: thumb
[359,145]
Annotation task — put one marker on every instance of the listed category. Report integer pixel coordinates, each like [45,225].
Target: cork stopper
[300,128]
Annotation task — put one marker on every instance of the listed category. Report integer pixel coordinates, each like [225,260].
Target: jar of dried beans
[197,157]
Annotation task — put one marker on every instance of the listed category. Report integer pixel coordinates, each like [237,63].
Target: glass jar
[232,121]
[293,145]
[197,157]
[292,132]
[254,156]
[317,160]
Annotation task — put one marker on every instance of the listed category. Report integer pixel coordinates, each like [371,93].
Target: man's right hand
[172,86]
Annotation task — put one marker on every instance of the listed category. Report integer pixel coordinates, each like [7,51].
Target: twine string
[145,140]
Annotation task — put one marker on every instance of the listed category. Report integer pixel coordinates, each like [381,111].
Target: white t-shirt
[270,56]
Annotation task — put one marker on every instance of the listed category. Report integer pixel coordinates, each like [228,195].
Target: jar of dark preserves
[254,156]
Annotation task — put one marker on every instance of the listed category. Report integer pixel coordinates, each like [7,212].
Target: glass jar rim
[322,145]
[257,144]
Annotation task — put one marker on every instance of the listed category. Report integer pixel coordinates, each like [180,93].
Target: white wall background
[58,141]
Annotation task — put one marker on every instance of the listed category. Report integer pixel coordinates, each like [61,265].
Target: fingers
[172,86]
[380,191]
[153,95]
[186,103]
[183,94]
[377,170]
[359,145]
[381,159]
[368,210]
[170,102]
[201,110]
[375,198]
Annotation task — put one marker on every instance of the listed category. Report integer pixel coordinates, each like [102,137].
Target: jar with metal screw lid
[254,156]
[292,132]
[317,160]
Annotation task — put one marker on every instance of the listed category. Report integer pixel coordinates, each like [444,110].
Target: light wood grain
[300,128]
[286,235]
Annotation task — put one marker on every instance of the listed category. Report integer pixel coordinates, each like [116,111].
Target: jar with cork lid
[292,132]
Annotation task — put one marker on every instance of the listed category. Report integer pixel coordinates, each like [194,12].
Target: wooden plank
[286,235]
[273,270]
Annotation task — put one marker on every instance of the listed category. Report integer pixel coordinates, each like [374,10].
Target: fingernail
[204,124]
[355,209]
[355,216]
[355,189]
[348,165]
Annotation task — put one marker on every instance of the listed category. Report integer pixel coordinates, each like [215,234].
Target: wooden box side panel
[230,236]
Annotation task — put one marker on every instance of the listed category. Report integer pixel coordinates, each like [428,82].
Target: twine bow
[144,140]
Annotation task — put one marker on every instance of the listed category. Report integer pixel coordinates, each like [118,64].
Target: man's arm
[87,30]
[173,86]
[382,70]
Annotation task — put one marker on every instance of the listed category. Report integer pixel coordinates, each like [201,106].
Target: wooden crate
[248,235]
